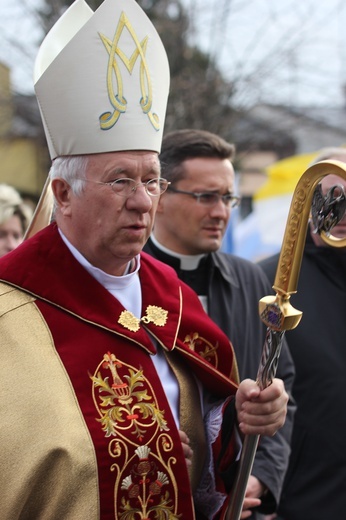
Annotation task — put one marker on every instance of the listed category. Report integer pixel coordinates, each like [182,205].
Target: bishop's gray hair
[72,169]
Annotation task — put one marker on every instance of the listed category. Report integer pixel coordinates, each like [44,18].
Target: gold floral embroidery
[144,482]
[145,485]
[203,347]
[125,403]
[153,314]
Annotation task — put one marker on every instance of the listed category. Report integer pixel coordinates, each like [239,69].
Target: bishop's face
[109,229]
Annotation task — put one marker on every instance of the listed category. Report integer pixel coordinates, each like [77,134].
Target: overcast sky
[294,49]
[20,35]
[284,51]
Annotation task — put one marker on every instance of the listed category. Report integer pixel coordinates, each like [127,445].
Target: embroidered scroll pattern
[140,446]
[203,347]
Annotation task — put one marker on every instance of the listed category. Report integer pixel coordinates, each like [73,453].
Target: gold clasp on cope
[153,314]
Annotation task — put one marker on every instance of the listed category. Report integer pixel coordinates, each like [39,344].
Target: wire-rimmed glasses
[126,186]
[210,198]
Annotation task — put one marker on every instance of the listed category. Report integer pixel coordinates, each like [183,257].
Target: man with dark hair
[190,222]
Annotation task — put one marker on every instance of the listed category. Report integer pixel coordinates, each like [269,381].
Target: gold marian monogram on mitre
[153,314]
[117,97]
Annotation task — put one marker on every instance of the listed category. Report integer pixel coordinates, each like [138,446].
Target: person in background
[15,216]
[190,222]
[314,488]
[119,398]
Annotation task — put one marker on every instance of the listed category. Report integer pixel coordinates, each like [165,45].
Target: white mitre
[102,80]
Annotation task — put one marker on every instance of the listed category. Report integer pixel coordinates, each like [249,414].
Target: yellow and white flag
[260,234]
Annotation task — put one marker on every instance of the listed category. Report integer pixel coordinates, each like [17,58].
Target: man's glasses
[126,187]
[209,198]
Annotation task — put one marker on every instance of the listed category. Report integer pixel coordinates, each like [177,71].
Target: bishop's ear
[62,192]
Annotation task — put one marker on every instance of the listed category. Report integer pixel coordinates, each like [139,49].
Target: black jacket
[315,485]
[234,287]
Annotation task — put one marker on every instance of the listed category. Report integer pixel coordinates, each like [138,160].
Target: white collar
[187,262]
[109,281]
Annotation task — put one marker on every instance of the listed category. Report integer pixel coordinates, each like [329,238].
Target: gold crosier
[276,312]
[118,101]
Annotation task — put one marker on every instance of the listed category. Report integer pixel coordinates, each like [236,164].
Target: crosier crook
[276,312]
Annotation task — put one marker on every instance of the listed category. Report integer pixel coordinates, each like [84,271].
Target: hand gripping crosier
[276,311]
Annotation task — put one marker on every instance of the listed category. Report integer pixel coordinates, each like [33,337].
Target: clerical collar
[187,262]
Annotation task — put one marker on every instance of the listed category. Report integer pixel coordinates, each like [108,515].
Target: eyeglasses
[126,187]
[209,198]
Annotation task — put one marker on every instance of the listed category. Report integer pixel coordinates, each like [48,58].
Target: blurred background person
[314,487]
[15,216]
